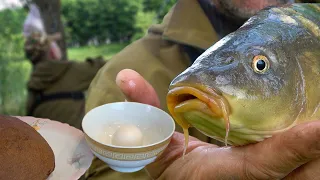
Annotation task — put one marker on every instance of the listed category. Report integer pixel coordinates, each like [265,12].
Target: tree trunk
[50,13]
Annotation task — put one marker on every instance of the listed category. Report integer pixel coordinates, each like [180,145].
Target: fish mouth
[210,112]
[184,98]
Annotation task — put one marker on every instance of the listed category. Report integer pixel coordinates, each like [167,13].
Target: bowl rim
[132,147]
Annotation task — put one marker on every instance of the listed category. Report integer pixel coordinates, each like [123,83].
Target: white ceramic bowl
[101,122]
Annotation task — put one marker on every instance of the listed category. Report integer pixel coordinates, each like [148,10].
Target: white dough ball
[127,135]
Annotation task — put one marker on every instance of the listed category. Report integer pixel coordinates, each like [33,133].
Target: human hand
[294,154]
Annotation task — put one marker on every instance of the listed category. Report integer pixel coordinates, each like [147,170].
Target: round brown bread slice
[24,153]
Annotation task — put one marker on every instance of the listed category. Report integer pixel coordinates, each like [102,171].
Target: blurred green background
[92,27]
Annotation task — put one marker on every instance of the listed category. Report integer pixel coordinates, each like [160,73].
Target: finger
[136,88]
[276,157]
[307,171]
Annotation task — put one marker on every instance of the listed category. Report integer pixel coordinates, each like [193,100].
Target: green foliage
[143,22]
[14,70]
[160,7]
[115,21]
[99,20]
[11,21]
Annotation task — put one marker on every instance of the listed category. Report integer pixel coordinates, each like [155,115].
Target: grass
[107,51]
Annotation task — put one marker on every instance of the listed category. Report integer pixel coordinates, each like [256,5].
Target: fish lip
[207,95]
[215,102]
[206,89]
[211,97]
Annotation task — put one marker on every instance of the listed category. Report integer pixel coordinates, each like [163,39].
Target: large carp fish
[262,79]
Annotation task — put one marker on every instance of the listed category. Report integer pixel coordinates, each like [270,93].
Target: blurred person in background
[56,89]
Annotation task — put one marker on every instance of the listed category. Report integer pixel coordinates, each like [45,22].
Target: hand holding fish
[293,154]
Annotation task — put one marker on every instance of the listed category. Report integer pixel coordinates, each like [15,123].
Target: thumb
[136,88]
[284,152]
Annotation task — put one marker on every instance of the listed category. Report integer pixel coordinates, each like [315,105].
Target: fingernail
[119,81]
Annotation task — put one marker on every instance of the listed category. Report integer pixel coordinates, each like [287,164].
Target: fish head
[250,79]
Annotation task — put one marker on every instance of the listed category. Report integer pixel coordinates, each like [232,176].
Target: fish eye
[260,64]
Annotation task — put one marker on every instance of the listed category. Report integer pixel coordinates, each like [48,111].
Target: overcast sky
[9,3]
